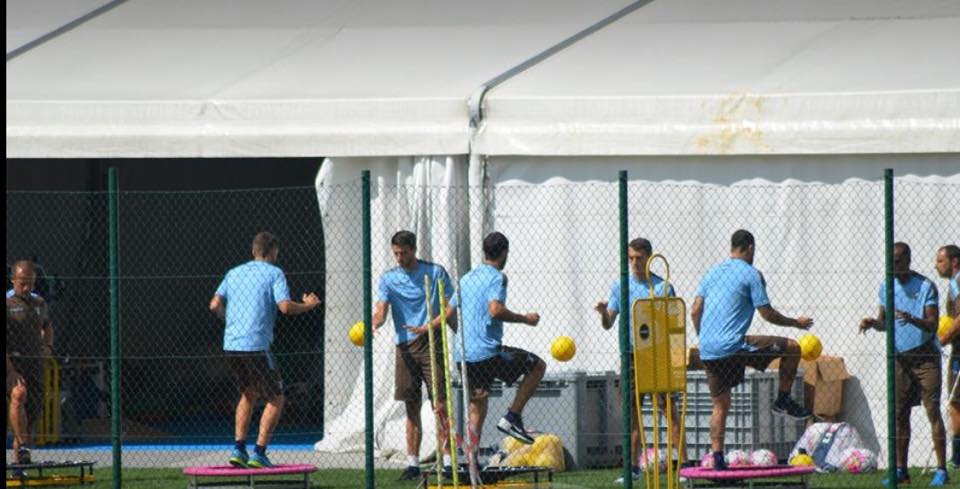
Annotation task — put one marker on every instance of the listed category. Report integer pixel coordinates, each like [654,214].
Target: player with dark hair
[248,299]
[721,313]
[948,266]
[29,339]
[483,296]
[639,251]
[917,365]
[401,291]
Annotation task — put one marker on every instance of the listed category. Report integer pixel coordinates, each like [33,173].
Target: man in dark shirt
[29,338]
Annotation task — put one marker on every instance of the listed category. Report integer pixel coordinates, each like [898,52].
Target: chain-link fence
[819,247]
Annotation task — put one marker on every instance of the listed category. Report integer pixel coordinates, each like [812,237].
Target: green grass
[352,479]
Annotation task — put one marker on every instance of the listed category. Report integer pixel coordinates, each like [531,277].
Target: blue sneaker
[903,477]
[239,458]
[940,478]
[719,462]
[258,461]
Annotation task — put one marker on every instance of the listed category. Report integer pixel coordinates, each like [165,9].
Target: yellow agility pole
[659,329]
[637,396]
[48,426]
[433,375]
[448,385]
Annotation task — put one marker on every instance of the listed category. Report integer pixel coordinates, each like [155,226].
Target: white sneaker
[633,475]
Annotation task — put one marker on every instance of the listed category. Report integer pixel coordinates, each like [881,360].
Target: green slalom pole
[888,319]
[368,330]
[115,411]
[626,407]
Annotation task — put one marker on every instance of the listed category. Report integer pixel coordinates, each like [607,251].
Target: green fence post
[115,411]
[626,407]
[888,319]
[368,331]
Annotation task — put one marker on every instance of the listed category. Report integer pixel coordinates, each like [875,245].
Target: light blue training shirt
[638,289]
[404,291]
[731,291]
[912,297]
[252,292]
[483,334]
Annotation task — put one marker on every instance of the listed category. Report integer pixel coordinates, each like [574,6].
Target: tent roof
[185,78]
[279,78]
[741,77]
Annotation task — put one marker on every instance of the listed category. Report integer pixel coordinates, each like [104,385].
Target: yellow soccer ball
[356,333]
[801,459]
[946,322]
[810,347]
[563,348]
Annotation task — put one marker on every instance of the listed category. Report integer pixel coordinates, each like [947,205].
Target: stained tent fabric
[742,77]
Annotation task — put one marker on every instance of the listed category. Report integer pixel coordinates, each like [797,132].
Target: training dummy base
[494,477]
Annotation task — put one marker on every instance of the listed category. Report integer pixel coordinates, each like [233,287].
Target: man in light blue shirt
[482,301]
[917,365]
[721,313]
[401,292]
[638,252]
[948,266]
[248,299]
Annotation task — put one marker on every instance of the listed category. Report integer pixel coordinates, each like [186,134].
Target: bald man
[29,339]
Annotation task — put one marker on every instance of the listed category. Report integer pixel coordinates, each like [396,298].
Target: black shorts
[257,370]
[32,372]
[726,373]
[508,365]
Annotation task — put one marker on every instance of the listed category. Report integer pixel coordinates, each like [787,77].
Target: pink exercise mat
[740,473]
[231,471]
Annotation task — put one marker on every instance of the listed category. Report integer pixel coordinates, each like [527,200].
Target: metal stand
[41,480]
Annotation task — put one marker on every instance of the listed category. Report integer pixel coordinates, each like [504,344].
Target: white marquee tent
[806,102]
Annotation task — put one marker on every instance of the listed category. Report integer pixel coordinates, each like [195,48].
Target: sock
[783,395]
[447,461]
[635,469]
[956,450]
[241,445]
[260,449]
[512,416]
[413,461]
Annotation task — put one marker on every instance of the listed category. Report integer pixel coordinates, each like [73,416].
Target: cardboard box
[823,385]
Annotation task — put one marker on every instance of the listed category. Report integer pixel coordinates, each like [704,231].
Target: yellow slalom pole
[448,385]
[45,413]
[433,374]
[637,397]
[55,403]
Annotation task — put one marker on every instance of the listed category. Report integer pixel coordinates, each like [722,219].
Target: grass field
[352,479]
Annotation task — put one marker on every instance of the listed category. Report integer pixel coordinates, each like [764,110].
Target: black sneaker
[515,429]
[719,463]
[24,455]
[786,406]
[409,474]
